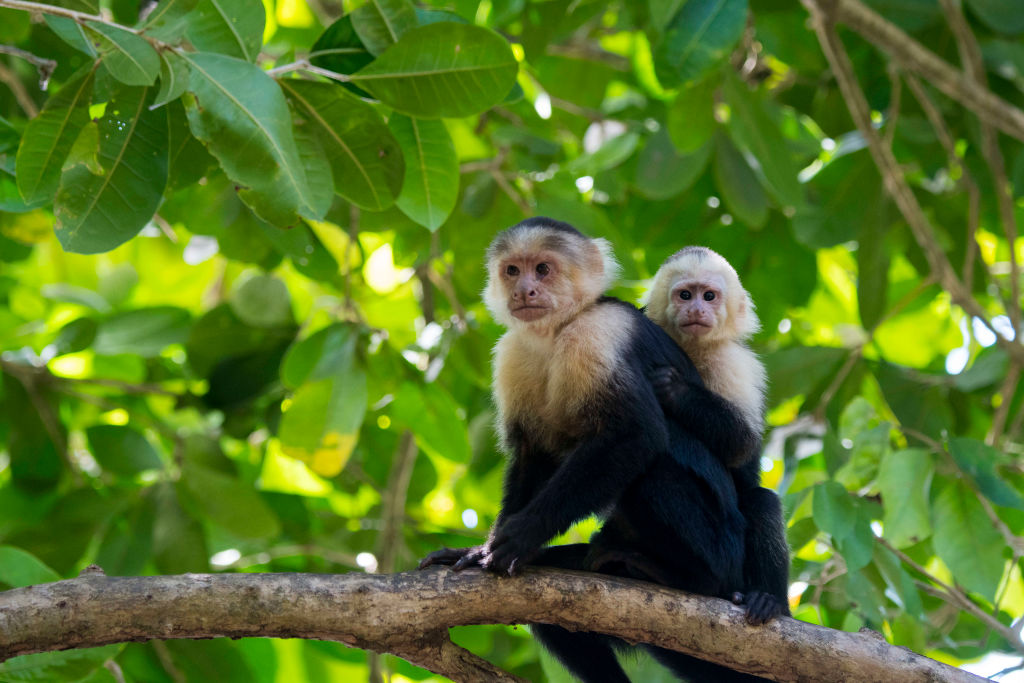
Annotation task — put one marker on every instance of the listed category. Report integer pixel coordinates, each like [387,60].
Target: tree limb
[408,614]
[913,56]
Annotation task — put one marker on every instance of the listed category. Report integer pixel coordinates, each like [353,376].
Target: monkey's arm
[716,422]
[526,473]
[766,557]
[590,478]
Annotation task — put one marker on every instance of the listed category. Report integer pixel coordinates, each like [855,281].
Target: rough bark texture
[407,614]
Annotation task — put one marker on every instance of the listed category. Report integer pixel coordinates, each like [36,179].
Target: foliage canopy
[240,265]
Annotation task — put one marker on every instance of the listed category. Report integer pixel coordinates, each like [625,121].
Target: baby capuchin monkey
[698,299]
[585,433]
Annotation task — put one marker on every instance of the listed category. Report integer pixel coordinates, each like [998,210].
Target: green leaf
[21,568]
[72,33]
[50,136]
[339,49]
[143,331]
[46,667]
[663,172]
[127,545]
[242,116]
[842,516]
[444,69]
[122,449]
[75,336]
[699,37]
[230,27]
[86,150]
[988,368]
[35,445]
[904,479]
[380,23]
[263,301]
[173,78]
[365,158]
[741,191]
[610,154]
[431,184]
[978,461]
[97,213]
[128,58]
[872,276]
[691,118]
[431,413]
[179,543]
[1002,16]
[753,131]
[319,356]
[167,21]
[230,503]
[966,540]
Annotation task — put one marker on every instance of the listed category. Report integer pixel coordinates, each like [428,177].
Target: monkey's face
[697,304]
[532,284]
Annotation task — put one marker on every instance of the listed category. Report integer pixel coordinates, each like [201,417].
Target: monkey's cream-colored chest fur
[546,382]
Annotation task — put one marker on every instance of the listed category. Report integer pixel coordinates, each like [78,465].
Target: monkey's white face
[530,283]
[697,304]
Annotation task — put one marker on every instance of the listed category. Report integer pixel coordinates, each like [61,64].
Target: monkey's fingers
[761,606]
[471,559]
[444,557]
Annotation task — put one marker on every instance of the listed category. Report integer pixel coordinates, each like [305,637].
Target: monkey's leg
[766,556]
[590,657]
[697,670]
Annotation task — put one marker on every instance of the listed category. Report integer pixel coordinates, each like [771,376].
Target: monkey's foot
[761,607]
[456,558]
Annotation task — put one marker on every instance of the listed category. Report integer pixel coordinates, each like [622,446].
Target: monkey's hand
[456,558]
[761,606]
[669,386]
[512,546]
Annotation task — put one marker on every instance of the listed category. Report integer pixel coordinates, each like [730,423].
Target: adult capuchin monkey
[698,299]
[582,424]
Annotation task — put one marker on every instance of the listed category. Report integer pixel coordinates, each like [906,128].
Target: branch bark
[408,615]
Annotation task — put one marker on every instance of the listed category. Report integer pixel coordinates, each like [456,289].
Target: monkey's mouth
[529,313]
[696,328]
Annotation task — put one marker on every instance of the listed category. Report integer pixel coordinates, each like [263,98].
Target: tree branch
[407,614]
[915,57]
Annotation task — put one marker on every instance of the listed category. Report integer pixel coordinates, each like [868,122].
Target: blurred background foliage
[185,387]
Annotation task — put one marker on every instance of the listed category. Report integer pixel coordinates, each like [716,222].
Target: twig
[1007,389]
[44,66]
[954,594]
[970,55]
[304,65]
[892,175]
[25,100]
[915,57]
[389,543]
[38,8]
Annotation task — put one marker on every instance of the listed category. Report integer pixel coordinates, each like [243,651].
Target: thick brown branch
[407,614]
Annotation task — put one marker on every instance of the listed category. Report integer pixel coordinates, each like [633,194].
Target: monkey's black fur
[674,515]
[720,426]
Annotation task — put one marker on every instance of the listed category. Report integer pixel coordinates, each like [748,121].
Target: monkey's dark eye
[511,271]
[543,269]
[684,294]
[709,296]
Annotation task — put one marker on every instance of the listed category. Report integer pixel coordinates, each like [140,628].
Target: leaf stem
[305,65]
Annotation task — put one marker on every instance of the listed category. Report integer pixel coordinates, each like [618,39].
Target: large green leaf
[691,118]
[122,450]
[49,137]
[431,170]
[366,160]
[1003,16]
[142,331]
[167,21]
[741,192]
[443,69]
[231,27]
[904,479]
[699,37]
[966,540]
[21,568]
[339,49]
[753,130]
[230,503]
[46,667]
[72,33]
[432,414]
[978,461]
[380,23]
[663,172]
[173,78]
[242,116]
[96,213]
[840,515]
[128,58]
